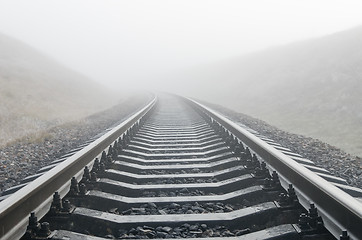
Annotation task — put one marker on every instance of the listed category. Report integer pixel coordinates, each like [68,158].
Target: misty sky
[135,41]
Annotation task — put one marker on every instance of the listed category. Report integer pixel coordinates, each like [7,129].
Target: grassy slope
[312,87]
[36,92]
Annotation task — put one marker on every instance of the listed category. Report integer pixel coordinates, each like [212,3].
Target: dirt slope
[312,87]
[37,92]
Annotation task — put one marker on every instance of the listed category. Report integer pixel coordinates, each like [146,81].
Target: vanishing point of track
[177,169]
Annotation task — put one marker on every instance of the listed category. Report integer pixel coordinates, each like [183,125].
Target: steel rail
[37,195]
[339,210]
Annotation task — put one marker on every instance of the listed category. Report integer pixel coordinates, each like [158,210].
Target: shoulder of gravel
[27,155]
[335,160]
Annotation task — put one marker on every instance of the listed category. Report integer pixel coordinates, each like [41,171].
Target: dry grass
[37,93]
[312,87]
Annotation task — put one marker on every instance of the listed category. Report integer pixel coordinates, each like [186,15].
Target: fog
[133,44]
[295,64]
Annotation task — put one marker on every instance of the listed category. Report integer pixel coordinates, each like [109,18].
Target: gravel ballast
[26,156]
[184,231]
[183,208]
[335,160]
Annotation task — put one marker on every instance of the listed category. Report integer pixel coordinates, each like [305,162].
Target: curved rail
[37,196]
[339,210]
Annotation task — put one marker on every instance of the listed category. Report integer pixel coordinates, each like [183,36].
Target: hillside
[312,87]
[36,92]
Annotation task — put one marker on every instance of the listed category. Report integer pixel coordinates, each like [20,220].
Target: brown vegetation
[312,88]
[37,93]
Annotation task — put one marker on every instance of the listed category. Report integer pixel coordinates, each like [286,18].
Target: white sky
[115,41]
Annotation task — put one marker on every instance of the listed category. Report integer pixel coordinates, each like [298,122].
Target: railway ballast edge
[339,210]
[37,196]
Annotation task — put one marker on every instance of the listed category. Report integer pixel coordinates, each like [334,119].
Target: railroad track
[177,169]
